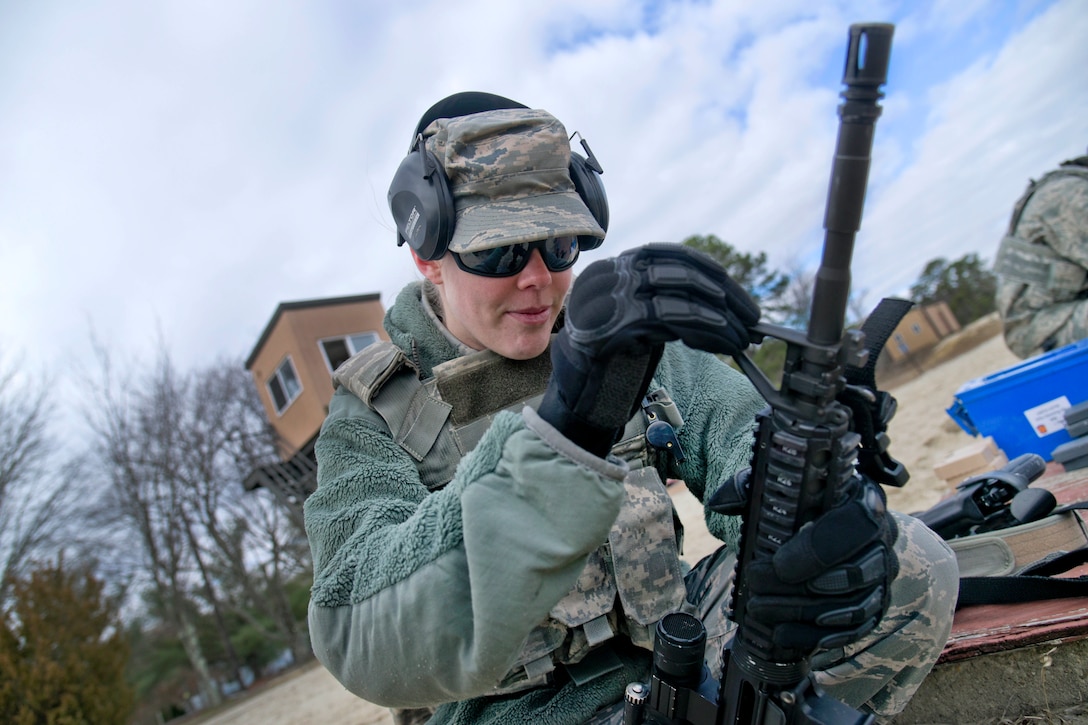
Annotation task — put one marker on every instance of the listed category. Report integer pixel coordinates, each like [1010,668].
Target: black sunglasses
[559,253]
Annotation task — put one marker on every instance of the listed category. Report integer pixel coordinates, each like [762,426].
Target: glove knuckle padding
[620,314]
[656,294]
[830,583]
[703,274]
[594,304]
[830,540]
[861,572]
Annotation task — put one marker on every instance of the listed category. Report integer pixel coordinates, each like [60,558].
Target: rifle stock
[803,456]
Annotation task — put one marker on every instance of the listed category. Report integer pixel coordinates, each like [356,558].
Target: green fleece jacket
[422,598]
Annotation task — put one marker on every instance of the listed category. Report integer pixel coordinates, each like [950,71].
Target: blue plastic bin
[1021,406]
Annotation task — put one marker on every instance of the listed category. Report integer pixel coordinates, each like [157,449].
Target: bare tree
[259,553]
[226,436]
[134,425]
[32,484]
[795,302]
[796,299]
[175,448]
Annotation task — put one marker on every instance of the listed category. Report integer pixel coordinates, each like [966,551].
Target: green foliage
[62,652]
[748,270]
[157,658]
[965,284]
[254,647]
[160,672]
[770,356]
[298,595]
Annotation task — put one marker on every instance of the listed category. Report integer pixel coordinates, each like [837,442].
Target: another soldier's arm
[1066,219]
[1040,316]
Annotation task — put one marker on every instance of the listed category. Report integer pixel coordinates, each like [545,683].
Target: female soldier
[490,532]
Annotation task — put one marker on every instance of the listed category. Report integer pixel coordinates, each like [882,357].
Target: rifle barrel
[865,71]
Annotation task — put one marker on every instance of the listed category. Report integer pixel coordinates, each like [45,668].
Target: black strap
[1034,583]
[878,327]
[1078,506]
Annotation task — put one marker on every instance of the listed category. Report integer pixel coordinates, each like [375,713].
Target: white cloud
[189,166]
[1005,119]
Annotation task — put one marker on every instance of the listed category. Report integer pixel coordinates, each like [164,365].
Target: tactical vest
[628,583]
[1032,261]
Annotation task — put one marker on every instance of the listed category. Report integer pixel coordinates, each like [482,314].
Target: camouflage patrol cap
[508,175]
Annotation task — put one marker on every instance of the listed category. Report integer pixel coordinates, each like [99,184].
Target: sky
[172,171]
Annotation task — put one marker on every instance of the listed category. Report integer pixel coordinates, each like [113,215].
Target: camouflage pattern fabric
[878,673]
[911,635]
[1042,264]
[508,174]
[645,558]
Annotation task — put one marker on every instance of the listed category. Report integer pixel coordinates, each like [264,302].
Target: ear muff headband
[465,103]
[423,208]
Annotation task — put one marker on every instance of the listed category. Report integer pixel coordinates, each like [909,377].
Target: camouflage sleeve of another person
[1043,293]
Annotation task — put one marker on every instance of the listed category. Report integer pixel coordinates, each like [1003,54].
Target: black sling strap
[1036,582]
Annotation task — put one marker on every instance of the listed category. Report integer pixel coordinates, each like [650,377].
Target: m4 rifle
[806,452]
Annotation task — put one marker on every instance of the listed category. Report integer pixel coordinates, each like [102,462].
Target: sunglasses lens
[559,254]
[497,261]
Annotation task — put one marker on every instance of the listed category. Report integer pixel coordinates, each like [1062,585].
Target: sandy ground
[922,434]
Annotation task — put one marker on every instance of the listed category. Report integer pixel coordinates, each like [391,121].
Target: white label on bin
[1049,417]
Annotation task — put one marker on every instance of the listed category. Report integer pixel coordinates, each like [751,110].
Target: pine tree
[966,284]
[62,651]
[748,270]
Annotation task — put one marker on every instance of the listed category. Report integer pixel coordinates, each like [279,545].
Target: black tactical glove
[620,314]
[829,584]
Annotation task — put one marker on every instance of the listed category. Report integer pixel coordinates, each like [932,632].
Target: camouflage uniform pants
[411,716]
[876,674]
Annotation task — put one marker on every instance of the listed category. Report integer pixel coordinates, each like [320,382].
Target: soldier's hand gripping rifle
[815,552]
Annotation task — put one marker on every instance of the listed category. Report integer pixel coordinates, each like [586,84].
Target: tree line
[139,581]
[138,572]
[966,285]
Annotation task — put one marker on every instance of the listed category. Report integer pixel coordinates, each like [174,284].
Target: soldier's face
[512,316]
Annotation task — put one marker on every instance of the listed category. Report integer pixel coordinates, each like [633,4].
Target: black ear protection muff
[421,202]
[420,197]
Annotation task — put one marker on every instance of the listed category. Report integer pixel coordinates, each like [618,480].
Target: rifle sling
[878,327]
[1026,588]
[1035,582]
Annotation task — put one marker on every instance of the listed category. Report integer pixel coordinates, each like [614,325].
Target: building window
[901,343]
[916,328]
[339,349]
[283,386]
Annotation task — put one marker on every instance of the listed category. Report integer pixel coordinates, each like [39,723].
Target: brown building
[292,365]
[920,329]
